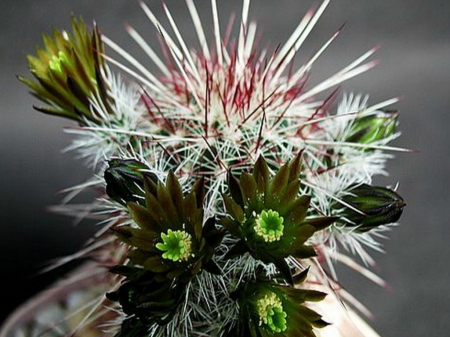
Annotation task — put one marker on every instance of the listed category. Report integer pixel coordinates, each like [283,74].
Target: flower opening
[177,245]
[270,310]
[269,225]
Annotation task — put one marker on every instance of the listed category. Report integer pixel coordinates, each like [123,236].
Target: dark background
[415,64]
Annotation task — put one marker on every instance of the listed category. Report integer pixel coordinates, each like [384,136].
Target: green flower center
[271,313]
[269,225]
[176,245]
[56,61]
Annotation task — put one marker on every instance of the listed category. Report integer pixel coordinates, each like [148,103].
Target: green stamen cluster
[56,61]
[269,225]
[176,245]
[271,313]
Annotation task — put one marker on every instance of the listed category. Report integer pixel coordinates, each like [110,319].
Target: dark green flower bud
[69,72]
[371,206]
[145,298]
[270,309]
[125,180]
[369,129]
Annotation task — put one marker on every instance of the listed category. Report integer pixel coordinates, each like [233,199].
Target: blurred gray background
[414,63]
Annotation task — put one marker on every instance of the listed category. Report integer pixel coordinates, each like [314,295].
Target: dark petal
[144,240]
[322,222]
[295,167]
[155,264]
[310,315]
[304,252]
[150,185]
[65,84]
[212,234]
[61,99]
[249,191]
[277,185]
[124,233]
[297,236]
[315,296]
[197,222]
[144,218]
[158,213]
[232,226]
[295,211]
[209,226]
[167,205]
[138,257]
[189,211]
[261,174]
[289,196]
[174,189]
[233,209]
[129,272]
[176,272]
[57,112]
[235,189]
[199,190]
[320,323]
[284,269]
[300,277]
[83,72]
[77,91]
[102,86]
[302,322]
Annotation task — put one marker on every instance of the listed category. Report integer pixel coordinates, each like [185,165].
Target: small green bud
[125,180]
[369,129]
[177,245]
[376,205]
